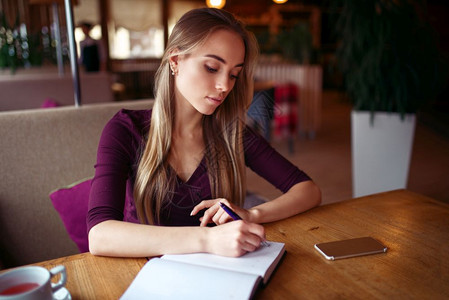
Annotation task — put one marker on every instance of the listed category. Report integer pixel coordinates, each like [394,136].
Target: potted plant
[295,43]
[390,63]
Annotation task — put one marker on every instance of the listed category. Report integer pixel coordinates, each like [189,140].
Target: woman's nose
[223,83]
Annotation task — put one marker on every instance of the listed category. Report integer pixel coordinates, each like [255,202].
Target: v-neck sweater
[119,150]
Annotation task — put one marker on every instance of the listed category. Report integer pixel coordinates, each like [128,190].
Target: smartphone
[350,248]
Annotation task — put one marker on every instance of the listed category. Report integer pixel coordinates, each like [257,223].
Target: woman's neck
[188,121]
[187,147]
[185,127]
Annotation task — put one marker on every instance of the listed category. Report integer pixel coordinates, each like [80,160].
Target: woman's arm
[299,198]
[300,192]
[124,239]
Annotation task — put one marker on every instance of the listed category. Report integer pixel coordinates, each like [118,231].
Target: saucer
[62,294]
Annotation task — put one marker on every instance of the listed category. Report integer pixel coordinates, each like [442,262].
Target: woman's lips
[215,99]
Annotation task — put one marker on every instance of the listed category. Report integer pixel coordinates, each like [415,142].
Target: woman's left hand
[215,214]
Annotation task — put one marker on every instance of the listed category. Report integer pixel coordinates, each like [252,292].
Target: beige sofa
[43,150]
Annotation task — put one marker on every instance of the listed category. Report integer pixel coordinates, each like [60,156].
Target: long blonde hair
[222,131]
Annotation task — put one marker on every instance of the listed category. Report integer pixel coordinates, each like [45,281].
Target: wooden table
[413,227]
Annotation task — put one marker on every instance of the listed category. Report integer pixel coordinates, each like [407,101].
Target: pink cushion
[71,203]
[49,103]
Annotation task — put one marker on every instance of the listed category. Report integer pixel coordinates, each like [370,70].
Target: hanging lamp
[215,3]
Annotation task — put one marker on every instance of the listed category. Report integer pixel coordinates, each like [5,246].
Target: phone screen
[350,248]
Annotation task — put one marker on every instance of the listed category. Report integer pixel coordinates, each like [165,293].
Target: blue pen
[236,217]
[230,212]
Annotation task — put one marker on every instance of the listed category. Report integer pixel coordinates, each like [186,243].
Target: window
[136,32]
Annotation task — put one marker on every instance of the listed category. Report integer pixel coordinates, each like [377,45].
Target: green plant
[296,43]
[17,47]
[35,49]
[388,55]
[8,44]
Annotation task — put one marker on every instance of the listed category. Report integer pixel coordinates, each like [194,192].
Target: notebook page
[261,262]
[164,279]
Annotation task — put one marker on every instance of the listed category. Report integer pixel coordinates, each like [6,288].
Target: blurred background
[301,43]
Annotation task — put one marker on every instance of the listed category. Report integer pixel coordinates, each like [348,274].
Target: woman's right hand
[235,238]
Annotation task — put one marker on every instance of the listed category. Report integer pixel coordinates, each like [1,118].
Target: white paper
[259,262]
[205,276]
[163,279]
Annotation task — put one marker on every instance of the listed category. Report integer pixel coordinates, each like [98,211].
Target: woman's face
[205,76]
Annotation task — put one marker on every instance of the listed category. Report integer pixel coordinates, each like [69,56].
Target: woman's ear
[173,61]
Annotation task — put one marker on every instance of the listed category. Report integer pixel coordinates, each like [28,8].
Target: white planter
[381,151]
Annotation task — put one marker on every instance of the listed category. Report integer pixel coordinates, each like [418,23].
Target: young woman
[161,173]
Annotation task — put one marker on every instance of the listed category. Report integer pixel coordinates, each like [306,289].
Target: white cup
[31,283]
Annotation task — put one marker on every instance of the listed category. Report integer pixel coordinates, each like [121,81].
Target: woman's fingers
[221,217]
[211,209]
[208,215]
[237,238]
[214,213]
[202,205]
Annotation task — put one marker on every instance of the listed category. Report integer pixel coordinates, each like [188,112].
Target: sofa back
[43,150]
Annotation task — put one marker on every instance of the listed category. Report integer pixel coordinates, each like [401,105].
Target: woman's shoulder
[126,120]
[135,118]
[133,113]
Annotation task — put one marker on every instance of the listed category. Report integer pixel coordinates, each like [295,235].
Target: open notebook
[205,276]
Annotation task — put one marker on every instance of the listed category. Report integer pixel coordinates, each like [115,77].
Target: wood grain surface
[415,229]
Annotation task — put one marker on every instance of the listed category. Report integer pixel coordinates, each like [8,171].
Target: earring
[173,72]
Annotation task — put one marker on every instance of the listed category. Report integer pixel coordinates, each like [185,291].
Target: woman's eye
[210,69]
[235,77]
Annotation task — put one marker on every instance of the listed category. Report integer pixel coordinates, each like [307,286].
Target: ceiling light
[215,3]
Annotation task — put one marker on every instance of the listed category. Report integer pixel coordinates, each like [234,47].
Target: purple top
[122,140]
